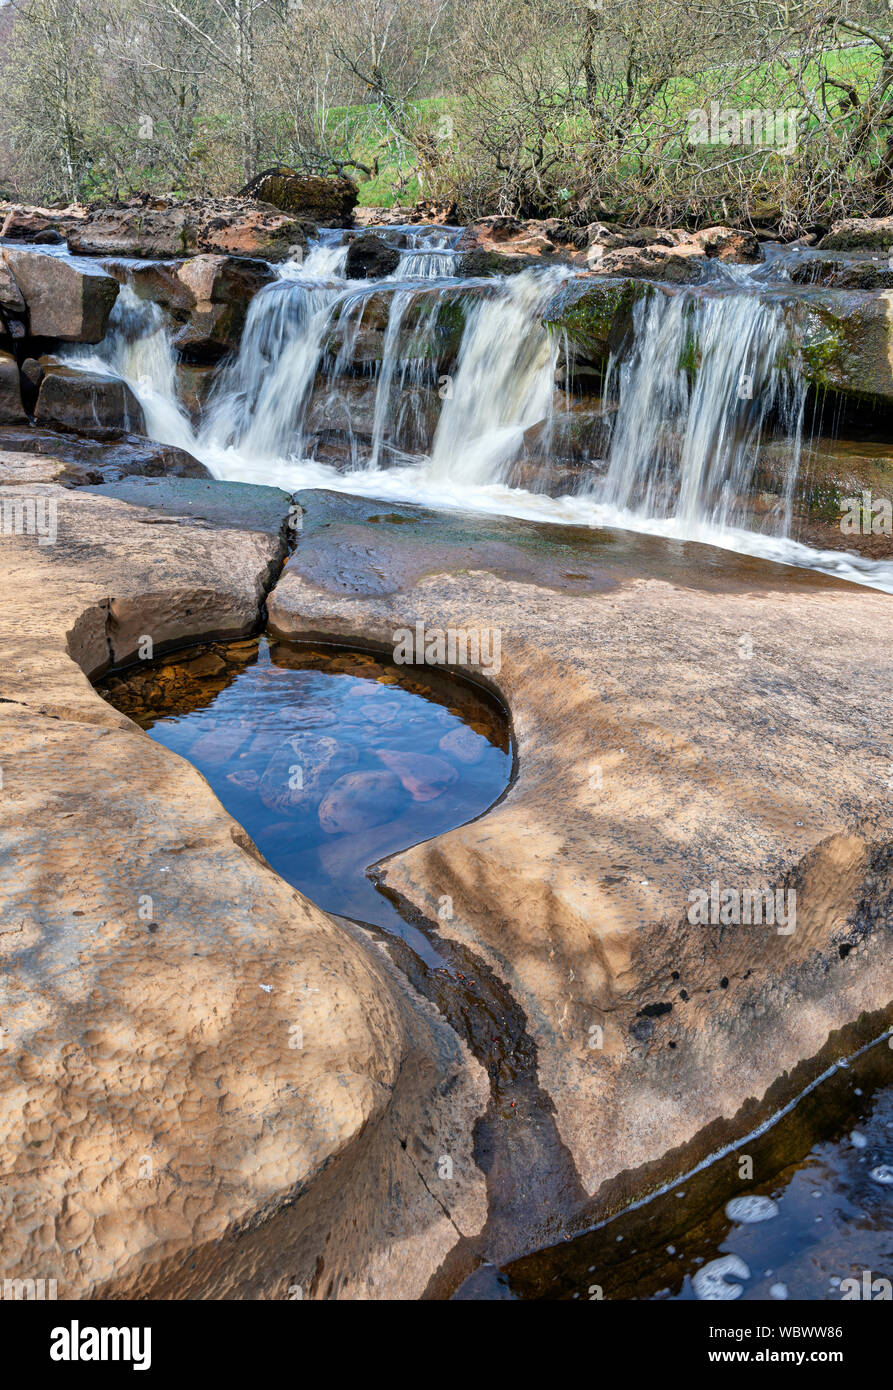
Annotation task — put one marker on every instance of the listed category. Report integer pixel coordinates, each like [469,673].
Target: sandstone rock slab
[653,761]
[66,298]
[161,1133]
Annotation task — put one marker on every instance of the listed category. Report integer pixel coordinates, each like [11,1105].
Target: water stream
[351,385]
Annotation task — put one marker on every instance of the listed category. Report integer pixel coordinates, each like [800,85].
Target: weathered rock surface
[66,297]
[164,228]
[845,336]
[592,317]
[207,296]
[11,298]
[12,411]
[222,288]
[515,236]
[327,201]
[160,1132]
[847,342]
[346,408]
[653,759]
[677,257]
[36,225]
[494,262]
[89,403]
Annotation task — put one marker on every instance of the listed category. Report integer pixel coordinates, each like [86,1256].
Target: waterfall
[426,264]
[323,262]
[137,347]
[707,376]
[258,403]
[504,382]
[361,386]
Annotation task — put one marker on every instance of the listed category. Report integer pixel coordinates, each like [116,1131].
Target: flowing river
[340,384]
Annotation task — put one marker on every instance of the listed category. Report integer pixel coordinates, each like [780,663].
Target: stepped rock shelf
[159,1134]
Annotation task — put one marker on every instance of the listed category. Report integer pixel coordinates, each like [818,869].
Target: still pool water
[330,759]
[801,1211]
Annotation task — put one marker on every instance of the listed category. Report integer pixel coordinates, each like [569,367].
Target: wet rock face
[845,340]
[64,298]
[207,296]
[164,228]
[839,273]
[592,317]
[481,263]
[87,403]
[328,202]
[370,258]
[75,461]
[221,288]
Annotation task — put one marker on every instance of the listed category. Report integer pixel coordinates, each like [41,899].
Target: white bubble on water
[710,1282]
[883,1173]
[751,1209]
[778,1291]
[858,1140]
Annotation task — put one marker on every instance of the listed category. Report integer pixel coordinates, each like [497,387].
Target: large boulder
[12,412]
[66,298]
[592,317]
[207,296]
[221,289]
[328,202]
[165,228]
[11,298]
[102,407]
[154,280]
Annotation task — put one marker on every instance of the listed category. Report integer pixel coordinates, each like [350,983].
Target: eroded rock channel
[333,760]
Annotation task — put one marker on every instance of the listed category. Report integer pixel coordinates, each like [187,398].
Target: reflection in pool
[330,759]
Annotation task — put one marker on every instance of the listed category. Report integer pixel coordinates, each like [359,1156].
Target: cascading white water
[137,347]
[426,265]
[706,375]
[684,443]
[259,400]
[322,262]
[504,382]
